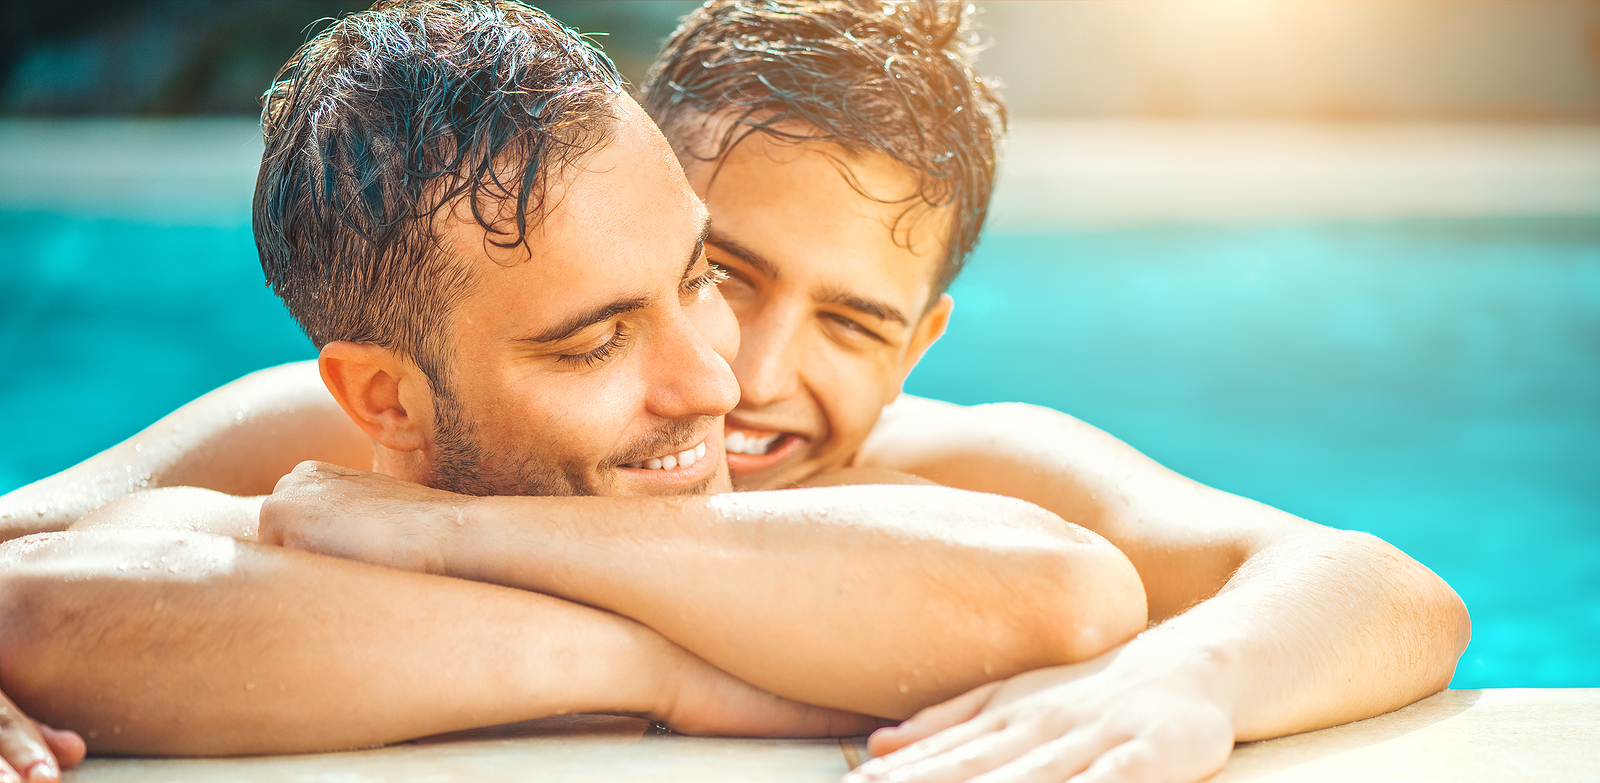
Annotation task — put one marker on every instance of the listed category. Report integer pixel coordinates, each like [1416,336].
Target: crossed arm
[812,596]
[1266,624]
[162,642]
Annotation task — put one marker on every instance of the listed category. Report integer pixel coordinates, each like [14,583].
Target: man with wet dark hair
[814,132]
[472,167]
[845,151]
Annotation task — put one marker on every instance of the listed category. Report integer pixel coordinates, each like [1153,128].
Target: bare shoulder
[188,509]
[916,433]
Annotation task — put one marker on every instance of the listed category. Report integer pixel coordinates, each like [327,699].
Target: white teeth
[737,442]
[682,459]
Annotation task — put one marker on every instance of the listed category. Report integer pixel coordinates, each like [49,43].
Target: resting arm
[163,642]
[1292,625]
[877,599]
[239,439]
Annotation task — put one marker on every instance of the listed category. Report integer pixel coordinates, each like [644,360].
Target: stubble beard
[462,465]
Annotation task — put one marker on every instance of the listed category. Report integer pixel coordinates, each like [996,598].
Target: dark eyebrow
[767,269]
[883,311]
[577,323]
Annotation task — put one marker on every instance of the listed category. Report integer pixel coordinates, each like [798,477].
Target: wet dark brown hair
[388,117]
[892,76]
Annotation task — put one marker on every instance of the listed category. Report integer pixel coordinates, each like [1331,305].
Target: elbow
[1441,625]
[1087,599]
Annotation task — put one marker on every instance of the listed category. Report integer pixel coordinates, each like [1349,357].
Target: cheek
[847,385]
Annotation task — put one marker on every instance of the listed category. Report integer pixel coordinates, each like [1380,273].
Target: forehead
[821,209]
[618,223]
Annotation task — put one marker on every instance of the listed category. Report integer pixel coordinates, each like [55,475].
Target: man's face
[599,365]
[830,284]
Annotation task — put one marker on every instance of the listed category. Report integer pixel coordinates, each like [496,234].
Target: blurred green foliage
[173,57]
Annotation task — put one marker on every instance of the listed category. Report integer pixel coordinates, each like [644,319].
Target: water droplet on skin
[145,564]
[122,566]
[249,686]
[904,688]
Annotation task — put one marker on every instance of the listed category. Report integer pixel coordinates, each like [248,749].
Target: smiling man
[503,266]
[845,191]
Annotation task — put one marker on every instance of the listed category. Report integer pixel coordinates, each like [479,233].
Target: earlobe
[368,381]
[928,332]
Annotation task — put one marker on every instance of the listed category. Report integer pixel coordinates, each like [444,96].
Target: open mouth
[680,459]
[751,451]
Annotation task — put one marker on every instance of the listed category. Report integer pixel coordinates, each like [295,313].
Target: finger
[931,720]
[68,747]
[7,774]
[1058,759]
[1130,761]
[985,754]
[22,747]
[944,741]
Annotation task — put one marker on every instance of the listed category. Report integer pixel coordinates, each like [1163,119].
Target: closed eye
[852,326]
[619,338]
[713,276]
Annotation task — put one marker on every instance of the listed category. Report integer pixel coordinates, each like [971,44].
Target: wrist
[1209,670]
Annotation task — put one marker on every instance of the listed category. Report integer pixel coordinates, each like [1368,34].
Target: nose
[694,377]
[767,365]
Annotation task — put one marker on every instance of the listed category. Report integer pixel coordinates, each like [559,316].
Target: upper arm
[239,439]
[179,508]
[1185,539]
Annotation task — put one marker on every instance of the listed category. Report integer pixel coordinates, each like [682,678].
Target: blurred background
[1343,258]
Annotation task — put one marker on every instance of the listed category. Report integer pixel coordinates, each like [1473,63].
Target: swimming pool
[1436,383]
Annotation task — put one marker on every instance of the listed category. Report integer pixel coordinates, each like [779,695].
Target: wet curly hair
[892,76]
[393,114]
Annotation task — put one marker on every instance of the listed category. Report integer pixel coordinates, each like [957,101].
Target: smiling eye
[618,339]
[853,327]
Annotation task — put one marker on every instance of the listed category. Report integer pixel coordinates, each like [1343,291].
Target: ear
[928,332]
[386,396]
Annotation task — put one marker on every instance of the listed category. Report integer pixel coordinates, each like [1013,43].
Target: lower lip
[741,465]
[681,476]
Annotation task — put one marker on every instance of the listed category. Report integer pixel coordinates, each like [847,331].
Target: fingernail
[44,771]
[8,776]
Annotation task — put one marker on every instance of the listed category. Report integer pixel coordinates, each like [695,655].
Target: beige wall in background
[1475,60]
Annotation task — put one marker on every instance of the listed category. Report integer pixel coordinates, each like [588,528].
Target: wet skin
[831,281]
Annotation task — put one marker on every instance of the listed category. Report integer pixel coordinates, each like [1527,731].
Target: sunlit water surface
[1434,383]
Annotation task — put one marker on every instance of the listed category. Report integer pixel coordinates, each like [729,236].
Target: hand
[363,516]
[1092,722]
[32,751]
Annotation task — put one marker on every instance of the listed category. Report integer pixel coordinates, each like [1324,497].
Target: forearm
[158,643]
[238,439]
[1311,633]
[875,599]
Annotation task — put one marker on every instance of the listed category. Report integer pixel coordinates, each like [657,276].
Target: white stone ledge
[1552,736]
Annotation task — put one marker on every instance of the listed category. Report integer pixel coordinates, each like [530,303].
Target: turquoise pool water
[1434,383]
